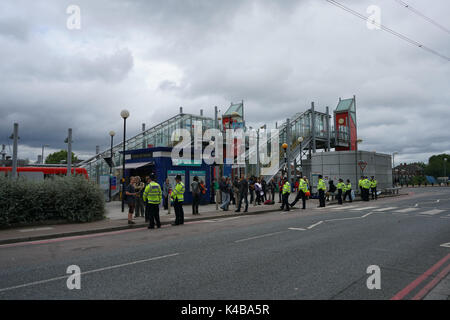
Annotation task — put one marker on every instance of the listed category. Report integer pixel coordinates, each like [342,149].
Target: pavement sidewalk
[117,220]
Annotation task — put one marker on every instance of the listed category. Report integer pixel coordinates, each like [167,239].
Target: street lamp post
[356,160]
[445,170]
[300,140]
[42,155]
[124,114]
[112,134]
[284,146]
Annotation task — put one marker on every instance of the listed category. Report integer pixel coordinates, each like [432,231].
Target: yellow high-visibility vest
[152,193]
[286,188]
[178,192]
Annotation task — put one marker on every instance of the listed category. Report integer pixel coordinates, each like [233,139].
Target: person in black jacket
[243,192]
[331,189]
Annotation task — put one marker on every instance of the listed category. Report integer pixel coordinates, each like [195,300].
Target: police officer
[373,188]
[152,196]
[285,194]
[366,187]
[321,187]
[361,189]
[341,188]
[302,189]
[178,198]
[348,191]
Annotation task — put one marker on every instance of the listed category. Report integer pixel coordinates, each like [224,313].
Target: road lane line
[401,294]
[447,245]
[341,207]
[406,210]
[260,236]
[432,284]
[88,272]
[432,212]
[385,209]
[364,208]
[314,225]
[298,229]
[366,215]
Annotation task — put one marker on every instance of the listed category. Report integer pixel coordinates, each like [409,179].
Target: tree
[436,164]
[57,157]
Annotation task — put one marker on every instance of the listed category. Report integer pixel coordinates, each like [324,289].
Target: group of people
[368,187]
[236,191]
[146,199]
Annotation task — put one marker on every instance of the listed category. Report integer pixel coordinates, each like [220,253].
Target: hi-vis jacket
[178,192]
[152,193]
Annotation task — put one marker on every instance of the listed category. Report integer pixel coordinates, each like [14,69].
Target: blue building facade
[158,160]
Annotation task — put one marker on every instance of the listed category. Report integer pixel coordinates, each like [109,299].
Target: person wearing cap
[373,188]
[153,196]
[286,192]
[341,189]
[302,189]
[348,191]
[178,198]
[366,187]
[321,187]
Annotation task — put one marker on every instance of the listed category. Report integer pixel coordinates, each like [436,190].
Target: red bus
[46,171]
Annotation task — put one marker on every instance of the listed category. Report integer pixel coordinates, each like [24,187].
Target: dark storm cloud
[153,56]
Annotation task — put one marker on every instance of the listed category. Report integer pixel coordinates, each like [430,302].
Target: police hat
[178,177]
[153,176]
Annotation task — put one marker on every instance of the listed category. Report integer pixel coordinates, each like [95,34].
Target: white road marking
[406,210]
[36,229]
[432,212]
[364,208]
[385,209]
[87,272]
[366,215]
[298,229]
[341,219]
[342,207]
[261,236]
[315,225]
[447,245]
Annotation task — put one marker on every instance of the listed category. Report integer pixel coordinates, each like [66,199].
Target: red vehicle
[47,171]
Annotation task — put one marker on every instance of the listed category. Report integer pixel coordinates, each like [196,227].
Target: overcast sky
[152,57]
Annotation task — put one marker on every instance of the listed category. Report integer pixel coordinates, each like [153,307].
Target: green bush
[73,199]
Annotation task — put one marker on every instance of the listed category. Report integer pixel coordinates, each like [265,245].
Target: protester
[140,205]
[131,200]
[195,189]
[203,191]
[243,193]
[225,194]
[167,186]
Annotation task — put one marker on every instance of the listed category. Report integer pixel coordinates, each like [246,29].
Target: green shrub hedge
[73,199]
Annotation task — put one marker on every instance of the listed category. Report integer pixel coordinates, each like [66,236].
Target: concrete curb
[145,225]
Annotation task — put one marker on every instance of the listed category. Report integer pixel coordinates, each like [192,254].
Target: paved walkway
[117,220]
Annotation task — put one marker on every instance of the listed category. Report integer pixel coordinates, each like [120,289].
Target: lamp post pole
[124,114]
[42,155]
[445,170]
[112,134]
[300,140]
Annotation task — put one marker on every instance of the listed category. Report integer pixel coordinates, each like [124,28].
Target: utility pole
[288,150]
[15,137]
[69,153]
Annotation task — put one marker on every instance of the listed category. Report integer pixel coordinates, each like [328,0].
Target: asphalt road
[304,254]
